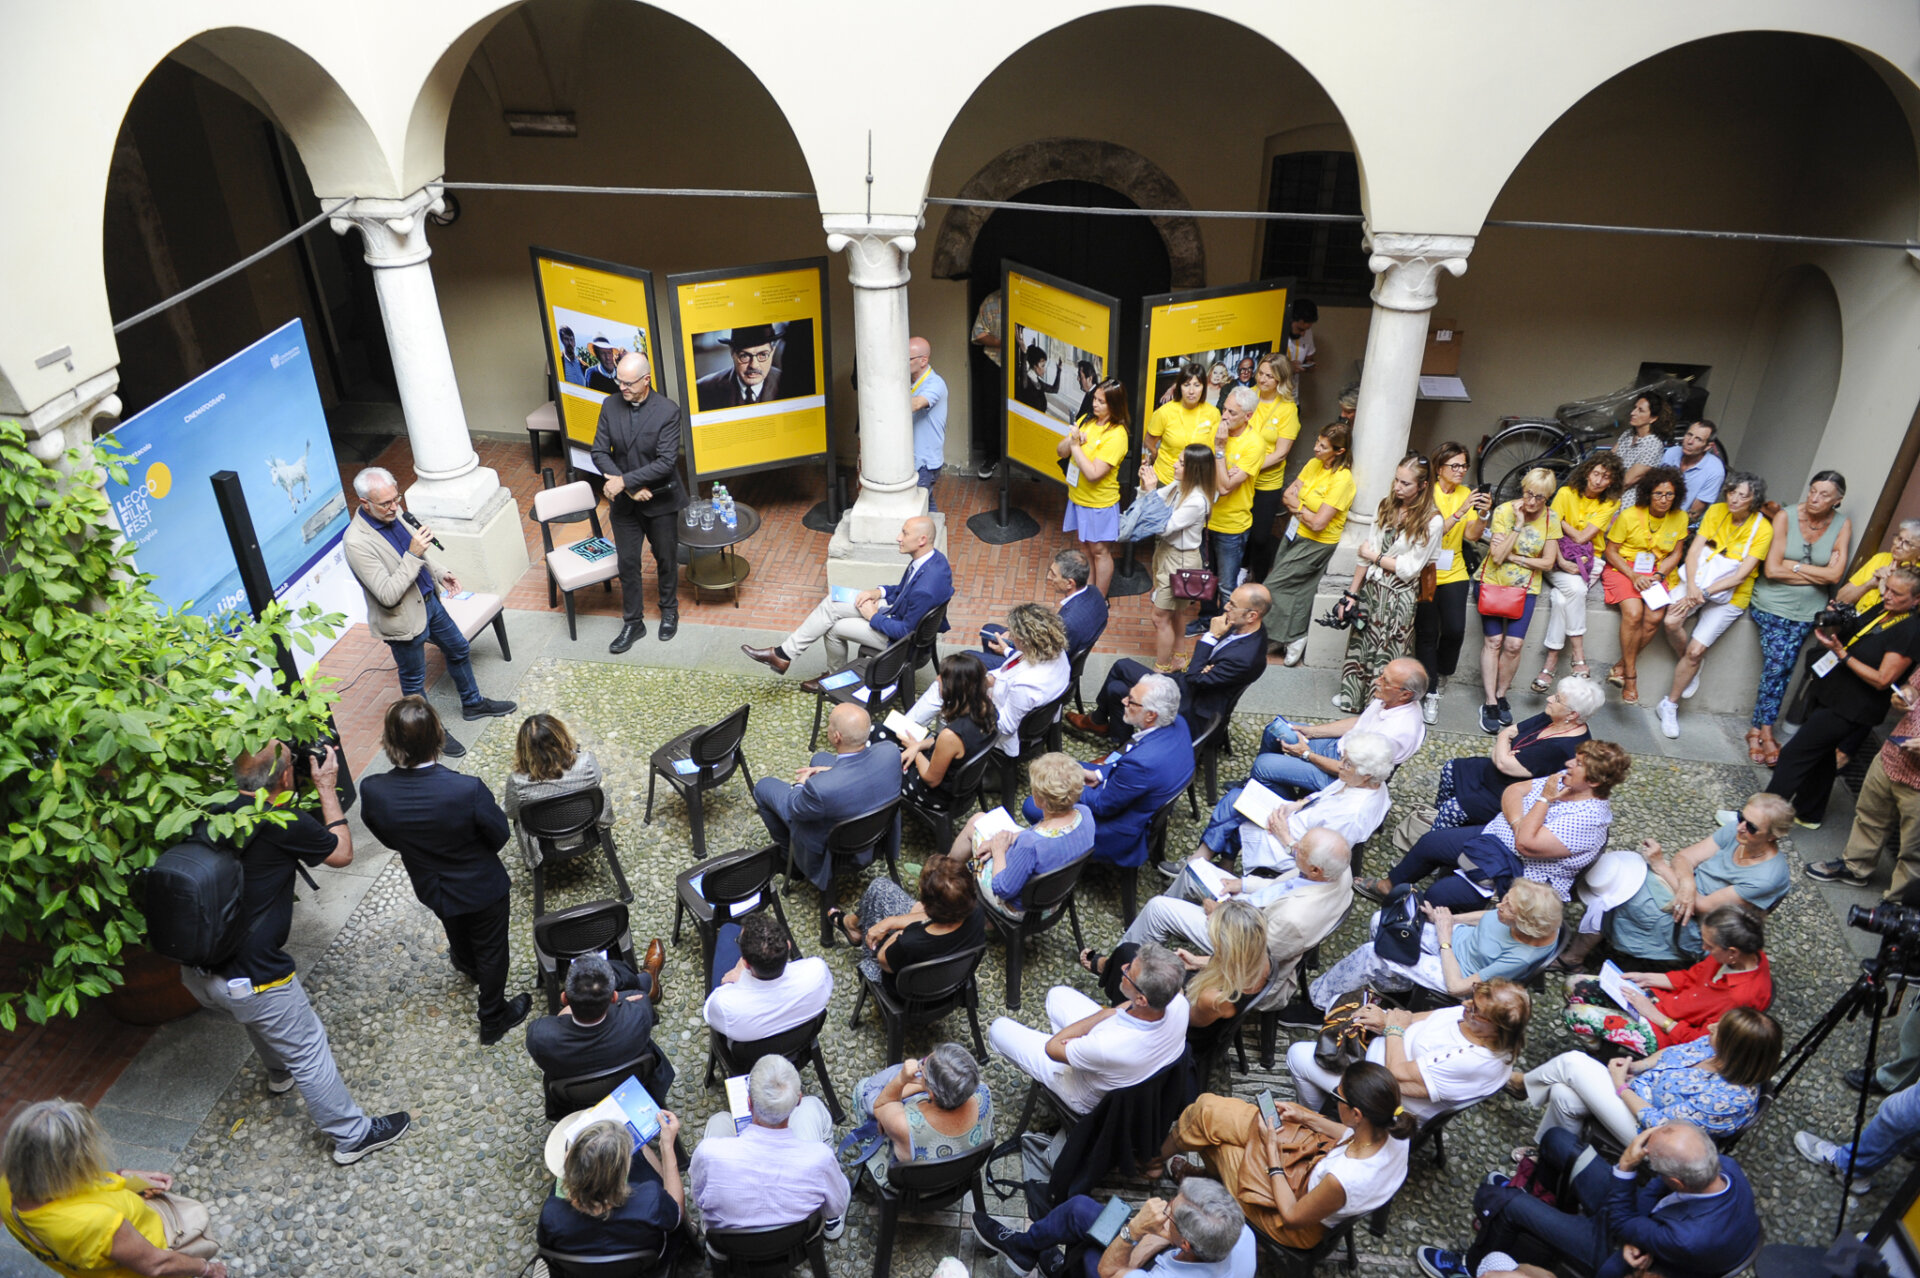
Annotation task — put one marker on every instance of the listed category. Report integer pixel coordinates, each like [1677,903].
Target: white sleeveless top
[1369,1182]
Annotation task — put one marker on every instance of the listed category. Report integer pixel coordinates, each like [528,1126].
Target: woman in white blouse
[1386,580]
[1190,498]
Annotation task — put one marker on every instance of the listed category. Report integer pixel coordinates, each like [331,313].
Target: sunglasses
[1747,825]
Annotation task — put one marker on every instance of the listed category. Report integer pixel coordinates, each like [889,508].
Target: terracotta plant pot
[152,994]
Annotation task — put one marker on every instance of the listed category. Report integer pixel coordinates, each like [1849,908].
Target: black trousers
[477,945]
[1121,677]
[1263,541]
[1805,774]
[1439,627]
[630,529]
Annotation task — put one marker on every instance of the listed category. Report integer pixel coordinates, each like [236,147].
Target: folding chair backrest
[795,1044]
[927,634]
[885,671]
[576,498]
[1044,892]
[1157,827]
[937,980]
[764,1248]
[626,1264]
[858,833]
[727,885]
[716,745]
[562,818]
[580,929]
[932,1183]
[1038,722]
[965,778]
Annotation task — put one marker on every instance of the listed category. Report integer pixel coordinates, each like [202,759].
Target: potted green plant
[121,720]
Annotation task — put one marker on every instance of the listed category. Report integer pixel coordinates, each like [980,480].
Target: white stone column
[470,513]
[877,249]
[66,421]
[1406,272]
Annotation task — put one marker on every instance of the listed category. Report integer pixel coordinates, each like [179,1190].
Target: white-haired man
[387,552]
[1126,788]
[778,1169]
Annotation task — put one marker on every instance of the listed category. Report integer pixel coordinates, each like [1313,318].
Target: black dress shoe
[628,633]
[488,709]
[669,626]
[452,748]
[1858,1078]
[517,1009]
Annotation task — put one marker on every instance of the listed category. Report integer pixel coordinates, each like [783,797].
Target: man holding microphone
[636,445]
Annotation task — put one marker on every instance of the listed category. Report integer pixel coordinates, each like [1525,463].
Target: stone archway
[1085,159]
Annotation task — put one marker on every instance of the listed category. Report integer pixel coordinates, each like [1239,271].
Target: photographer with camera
[258,986]
[1852,688]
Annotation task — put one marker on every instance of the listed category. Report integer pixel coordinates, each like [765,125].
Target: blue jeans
[1222,835]
[1064,1226]
[928,475]
[1895,1126]
[410,655]
[1275,768]
[1229,550]
[1514,1221]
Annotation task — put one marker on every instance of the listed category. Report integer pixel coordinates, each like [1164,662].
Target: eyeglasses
[1458,463]
[758,355]
[1343,1100]
[624,384]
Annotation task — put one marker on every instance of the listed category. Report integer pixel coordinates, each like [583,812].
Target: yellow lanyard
[1878,623]
[925,374]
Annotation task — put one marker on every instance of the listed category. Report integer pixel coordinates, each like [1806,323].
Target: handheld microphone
[414,523]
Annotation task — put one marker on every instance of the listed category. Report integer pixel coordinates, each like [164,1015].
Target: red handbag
[1502,601]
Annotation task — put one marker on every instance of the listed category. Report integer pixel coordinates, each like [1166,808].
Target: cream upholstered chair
[475,613]
[567,569]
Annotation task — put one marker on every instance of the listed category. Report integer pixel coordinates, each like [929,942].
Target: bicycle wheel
[1516,446]
[1507,487]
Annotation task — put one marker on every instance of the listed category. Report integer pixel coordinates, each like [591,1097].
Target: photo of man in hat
[753,377]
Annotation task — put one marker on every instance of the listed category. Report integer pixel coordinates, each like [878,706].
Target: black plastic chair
[563,936]
[778,1250]
[717,751]
[925,647]
[1431,1132]
[801,1045]
[926,1186]
[884,678]
[1206,758]
[566,828]
[964,785]
[582,1091]
[924,993]
[726,893]
[1608,1146]
[1304,1263]
[1048,897]
[1039,733]
[852,837]
[625,1264]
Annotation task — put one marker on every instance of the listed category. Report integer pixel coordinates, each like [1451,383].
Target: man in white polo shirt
[1094,1050]
[1296,759]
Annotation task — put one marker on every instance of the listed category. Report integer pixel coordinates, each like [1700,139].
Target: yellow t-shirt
[1635,531]
[1177,426]
[1233,512]
[1452,541]
[1274,422]
[1865,575]
[80,1227]
[1322,487]
[1718,529]
[1110,446]
[1577,508]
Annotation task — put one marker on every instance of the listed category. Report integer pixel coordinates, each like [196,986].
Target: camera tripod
[1882,982]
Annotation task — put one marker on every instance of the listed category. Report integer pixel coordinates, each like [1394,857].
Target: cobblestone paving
[462,1191]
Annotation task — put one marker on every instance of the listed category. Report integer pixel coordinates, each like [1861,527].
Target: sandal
[1525,1151]
[1180,1167]
[1093,962]
[1630,691]
[1615,675]
[1581,670]
[1756,749]
[1542,682]
[838,918]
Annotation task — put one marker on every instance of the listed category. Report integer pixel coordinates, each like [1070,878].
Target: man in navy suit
[1228,657]
[448,832]
[851,778]
[875,618]
[1693,1216]
[1082,609]
[1126,788]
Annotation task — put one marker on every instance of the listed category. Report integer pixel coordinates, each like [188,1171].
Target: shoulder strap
[33,1240]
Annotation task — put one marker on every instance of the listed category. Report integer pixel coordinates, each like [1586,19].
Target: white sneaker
[1669,717]
[1240,580]
[834,1229]
[1824,1153]
[1725,816]
[1440,685]
[1430,708]
[1296,652]
[1686,694]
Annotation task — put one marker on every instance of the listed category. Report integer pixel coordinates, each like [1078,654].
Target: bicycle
[1575,432]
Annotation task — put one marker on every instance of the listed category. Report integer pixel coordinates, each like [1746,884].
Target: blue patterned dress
[1676,1088]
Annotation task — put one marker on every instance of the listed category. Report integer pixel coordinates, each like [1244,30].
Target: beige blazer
[1299,921]
[395,607]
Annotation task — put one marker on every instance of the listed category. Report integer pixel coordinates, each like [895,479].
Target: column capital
[1407,267]
[877,247]
[394,231]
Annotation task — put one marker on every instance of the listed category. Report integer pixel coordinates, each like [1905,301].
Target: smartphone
[1106,1226]
[1267,1111]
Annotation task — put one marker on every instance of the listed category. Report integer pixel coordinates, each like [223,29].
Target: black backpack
[195,901]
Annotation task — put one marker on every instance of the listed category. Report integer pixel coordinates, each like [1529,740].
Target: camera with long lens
[1345,613]
[1895,925]
[1837,619]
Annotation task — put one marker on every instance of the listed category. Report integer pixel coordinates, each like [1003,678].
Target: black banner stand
[1008,524]
[824,516]
[259,585]
[1129,577]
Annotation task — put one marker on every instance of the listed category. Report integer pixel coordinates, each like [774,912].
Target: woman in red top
[1684,1004]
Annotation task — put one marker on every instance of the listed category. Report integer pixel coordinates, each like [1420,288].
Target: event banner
[1060,343]
[1224,330]
[593,313]
[753,365]
[257,414]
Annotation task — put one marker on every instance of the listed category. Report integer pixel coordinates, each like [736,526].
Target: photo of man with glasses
[753,377]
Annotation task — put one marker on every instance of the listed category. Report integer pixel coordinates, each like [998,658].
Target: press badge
[1073,474]
[1443,562]
[1643,562]
[1825,665]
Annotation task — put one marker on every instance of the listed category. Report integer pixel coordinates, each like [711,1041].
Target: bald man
[636,445]
[929,414]
[848,778]
[875,618]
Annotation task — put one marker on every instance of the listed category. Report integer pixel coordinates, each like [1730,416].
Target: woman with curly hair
[1386,580]
[1586,504]
[1644,442]
[1647,541]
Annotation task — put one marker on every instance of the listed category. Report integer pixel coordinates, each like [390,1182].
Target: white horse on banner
[287,474]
